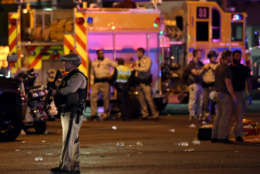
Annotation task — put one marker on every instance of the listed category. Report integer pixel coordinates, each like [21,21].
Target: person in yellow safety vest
[123,73]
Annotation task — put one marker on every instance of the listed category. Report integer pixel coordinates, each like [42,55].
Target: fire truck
[39,37]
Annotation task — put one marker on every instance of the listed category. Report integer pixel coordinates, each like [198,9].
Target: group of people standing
[227,82]
[101,78]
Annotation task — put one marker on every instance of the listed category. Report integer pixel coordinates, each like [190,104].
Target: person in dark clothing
[240,79]
[73,93]
[225,99]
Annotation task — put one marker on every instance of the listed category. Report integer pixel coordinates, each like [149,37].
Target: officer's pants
[145,95]
[70,154]
[102,87]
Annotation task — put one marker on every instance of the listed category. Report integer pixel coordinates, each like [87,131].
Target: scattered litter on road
[114,127]
[189,150]
[49,154]
[84,153]
[204,122]
[23,142]
[192,125]
[139,143]
[172,130]
[196,142]
[39,158]
[183,144]
[120,144]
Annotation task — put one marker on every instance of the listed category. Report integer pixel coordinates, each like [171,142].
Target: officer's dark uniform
[72,92]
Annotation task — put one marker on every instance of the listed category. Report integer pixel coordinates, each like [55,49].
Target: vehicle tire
[40,127]
[10,127]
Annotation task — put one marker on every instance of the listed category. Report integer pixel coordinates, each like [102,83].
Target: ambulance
[189,25]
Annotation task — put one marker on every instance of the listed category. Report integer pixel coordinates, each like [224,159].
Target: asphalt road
[166,146]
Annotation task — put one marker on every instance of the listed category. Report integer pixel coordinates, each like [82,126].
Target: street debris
[172,130]
[43,141]
[120,144]
[49,154]
[39,158]
[84,153]
[189,150]
[183,144]
[196,142]
[114,128]
[139,143]
[192,125]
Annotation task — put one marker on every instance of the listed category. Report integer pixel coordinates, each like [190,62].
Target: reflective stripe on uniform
[123,74]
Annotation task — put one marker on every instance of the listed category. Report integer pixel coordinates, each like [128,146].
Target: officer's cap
[73,58]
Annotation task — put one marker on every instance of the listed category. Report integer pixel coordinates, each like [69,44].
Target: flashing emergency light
[80,20]
[156,22]
[90,20]
[237,17]
[161,32]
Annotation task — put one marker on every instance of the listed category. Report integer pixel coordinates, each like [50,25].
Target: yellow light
[25,11]
[170,22]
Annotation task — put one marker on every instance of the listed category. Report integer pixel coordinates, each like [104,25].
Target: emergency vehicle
[189,25]
[37,37]
[169,33]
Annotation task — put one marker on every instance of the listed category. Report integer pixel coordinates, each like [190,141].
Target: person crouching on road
[142,72]
[73,93]
[123,73]
[100,76]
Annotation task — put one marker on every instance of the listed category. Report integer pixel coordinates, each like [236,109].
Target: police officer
[73,92]
[100,78]
[123,73]
[143,66]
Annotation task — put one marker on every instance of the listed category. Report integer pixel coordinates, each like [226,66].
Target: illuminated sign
[202,13]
